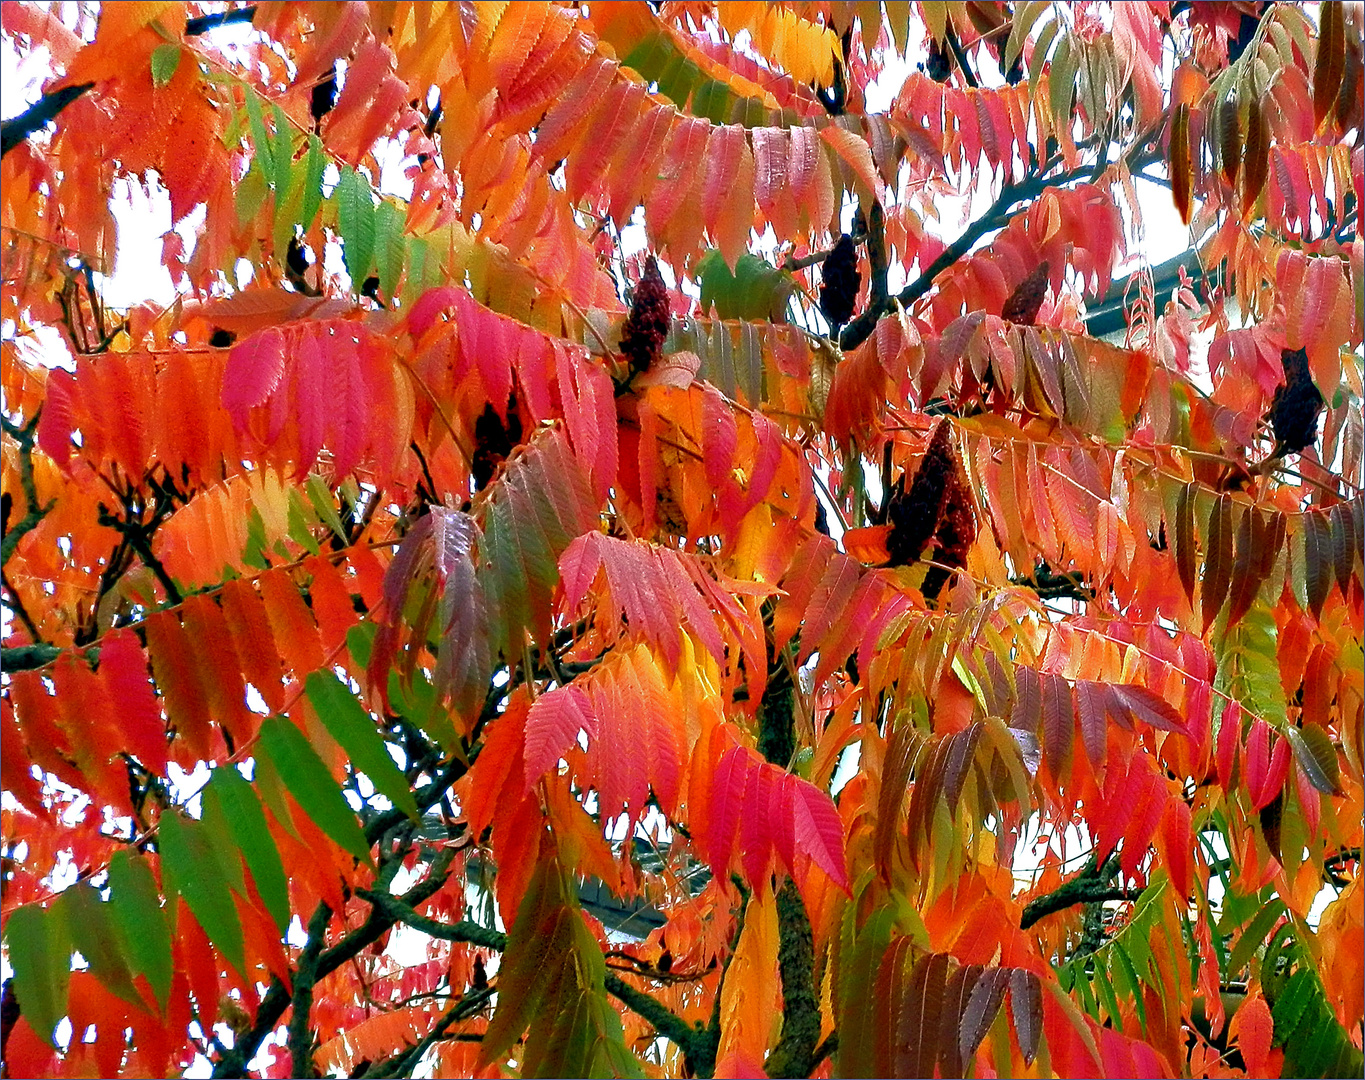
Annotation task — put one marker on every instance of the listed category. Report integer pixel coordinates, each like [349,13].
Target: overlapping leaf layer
[401,676]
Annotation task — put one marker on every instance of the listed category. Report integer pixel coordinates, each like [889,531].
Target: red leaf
[723,151]
[720,435]
[828,604]
[1253,1028]
[254,641]
[729,787]
[499,770]
[177,675]
[614,119]
[16,768]
[124,671]
[1149,707]
[758,827]
[1229,739]
[770,165]
[956,994]
[1090,714]
[533,372]
[55,424]
[1265,769]
[1217,560]
[1059,723]
[295,631]
[982,1005]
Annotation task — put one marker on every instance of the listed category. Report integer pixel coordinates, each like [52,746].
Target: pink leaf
[314,393]
[819,832]
[552,728]
[254,369]
[720,435]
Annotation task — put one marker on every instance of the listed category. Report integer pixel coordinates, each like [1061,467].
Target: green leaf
[1292,1003]
[312,182]
[1315,753]
[356,222]
[137,911]
[283,155]
[1062,80]
[272,791]
[355,730]
[230,795]
[250,193]
[40,953]
[390,247]
[300,523]
[1126,979]
[1041,48]
[224,847]
[541,936]
[260,137]
[300,769]
[1111,1001]
[90,922]
[321,498]
[415,700]
[165,59]
[757,290]
[360,642]
[190,868]
[1025,15]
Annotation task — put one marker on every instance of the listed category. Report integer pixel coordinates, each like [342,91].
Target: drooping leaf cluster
[506,629]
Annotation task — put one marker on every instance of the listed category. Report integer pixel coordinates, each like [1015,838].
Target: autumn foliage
[631,548]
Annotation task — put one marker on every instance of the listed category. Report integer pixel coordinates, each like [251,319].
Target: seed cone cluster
[1297,402]
[1023,304]
[642,337]
[493,442]
[840,281]
[938,506]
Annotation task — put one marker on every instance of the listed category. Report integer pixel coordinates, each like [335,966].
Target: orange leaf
[1253,1029]
[857,156]
[178,678]
[294,628]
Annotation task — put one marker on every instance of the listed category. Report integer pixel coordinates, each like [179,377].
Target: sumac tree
[685,539]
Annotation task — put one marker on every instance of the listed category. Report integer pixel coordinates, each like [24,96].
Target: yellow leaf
[749,1010]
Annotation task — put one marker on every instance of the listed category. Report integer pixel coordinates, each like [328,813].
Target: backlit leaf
[191,869]
[355,730]
[356,220]
[308,780]
[238,804]
[39,945]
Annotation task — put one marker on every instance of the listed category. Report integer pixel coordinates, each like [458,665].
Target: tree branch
[305,976]
[396,910]
[794,1054]
[25,437]
[277,998]
[1091,885]
[997,217]
[43,111]
[28,657]
[37,116]
[694,1043]
[202,24]
[960,55]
